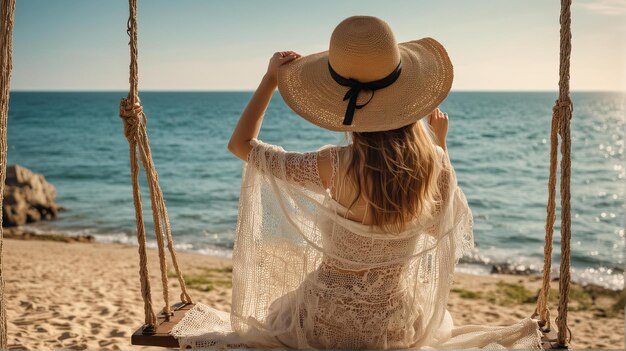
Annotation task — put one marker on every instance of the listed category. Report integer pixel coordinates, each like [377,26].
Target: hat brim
[425,81]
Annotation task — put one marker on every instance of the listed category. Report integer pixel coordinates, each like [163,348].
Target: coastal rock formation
[28,197]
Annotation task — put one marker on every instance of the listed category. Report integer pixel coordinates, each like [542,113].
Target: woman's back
[356,292]
[385,179]
[334,172]
[306,276]
[309,276]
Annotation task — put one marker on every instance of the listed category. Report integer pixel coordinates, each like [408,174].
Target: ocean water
[498,143]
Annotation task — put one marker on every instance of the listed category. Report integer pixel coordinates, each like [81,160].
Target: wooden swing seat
[549,341]
[161,337]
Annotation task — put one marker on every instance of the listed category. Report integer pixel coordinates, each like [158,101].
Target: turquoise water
[498,143]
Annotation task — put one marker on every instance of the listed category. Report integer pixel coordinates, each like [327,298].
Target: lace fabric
[304,276]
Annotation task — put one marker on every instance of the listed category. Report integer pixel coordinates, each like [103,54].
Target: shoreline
[86,295]
[471,266]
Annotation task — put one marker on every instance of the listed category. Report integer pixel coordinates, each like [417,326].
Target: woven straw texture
[364,48]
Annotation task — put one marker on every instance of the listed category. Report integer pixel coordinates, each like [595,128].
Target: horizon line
[252,90]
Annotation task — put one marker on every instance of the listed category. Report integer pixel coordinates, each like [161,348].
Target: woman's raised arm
[252,117]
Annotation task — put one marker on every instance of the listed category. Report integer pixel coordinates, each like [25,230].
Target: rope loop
[129,29]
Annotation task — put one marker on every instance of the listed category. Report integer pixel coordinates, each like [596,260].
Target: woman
[353,246]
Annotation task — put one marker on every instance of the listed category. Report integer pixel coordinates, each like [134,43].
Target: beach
[81,295]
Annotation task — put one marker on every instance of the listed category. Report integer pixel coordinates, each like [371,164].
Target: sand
[86,296]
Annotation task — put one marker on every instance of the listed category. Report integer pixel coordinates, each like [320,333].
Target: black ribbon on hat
[356,87]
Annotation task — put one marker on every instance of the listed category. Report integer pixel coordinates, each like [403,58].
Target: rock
[28,198]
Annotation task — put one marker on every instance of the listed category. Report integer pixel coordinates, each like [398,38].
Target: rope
[7,15]
[542,310]
[564,108]
[137,136]
[561,116]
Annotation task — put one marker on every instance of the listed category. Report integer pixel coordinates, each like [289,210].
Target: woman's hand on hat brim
[278,59]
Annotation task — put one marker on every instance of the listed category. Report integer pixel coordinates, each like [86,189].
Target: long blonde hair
[395,172]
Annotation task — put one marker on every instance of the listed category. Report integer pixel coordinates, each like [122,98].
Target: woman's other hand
[438,122]
[277,60]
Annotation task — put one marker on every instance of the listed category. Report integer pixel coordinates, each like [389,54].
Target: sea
[498,143]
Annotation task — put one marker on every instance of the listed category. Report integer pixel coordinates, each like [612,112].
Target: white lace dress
[306,277]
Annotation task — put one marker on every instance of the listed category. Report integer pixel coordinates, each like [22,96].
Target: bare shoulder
[326,162]
[325,166]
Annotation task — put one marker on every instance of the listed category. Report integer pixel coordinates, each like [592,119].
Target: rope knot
[132,115]
[564,107]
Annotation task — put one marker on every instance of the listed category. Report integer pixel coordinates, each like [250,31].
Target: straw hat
[367,82]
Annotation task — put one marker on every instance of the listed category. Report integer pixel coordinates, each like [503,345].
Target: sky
[225,44]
